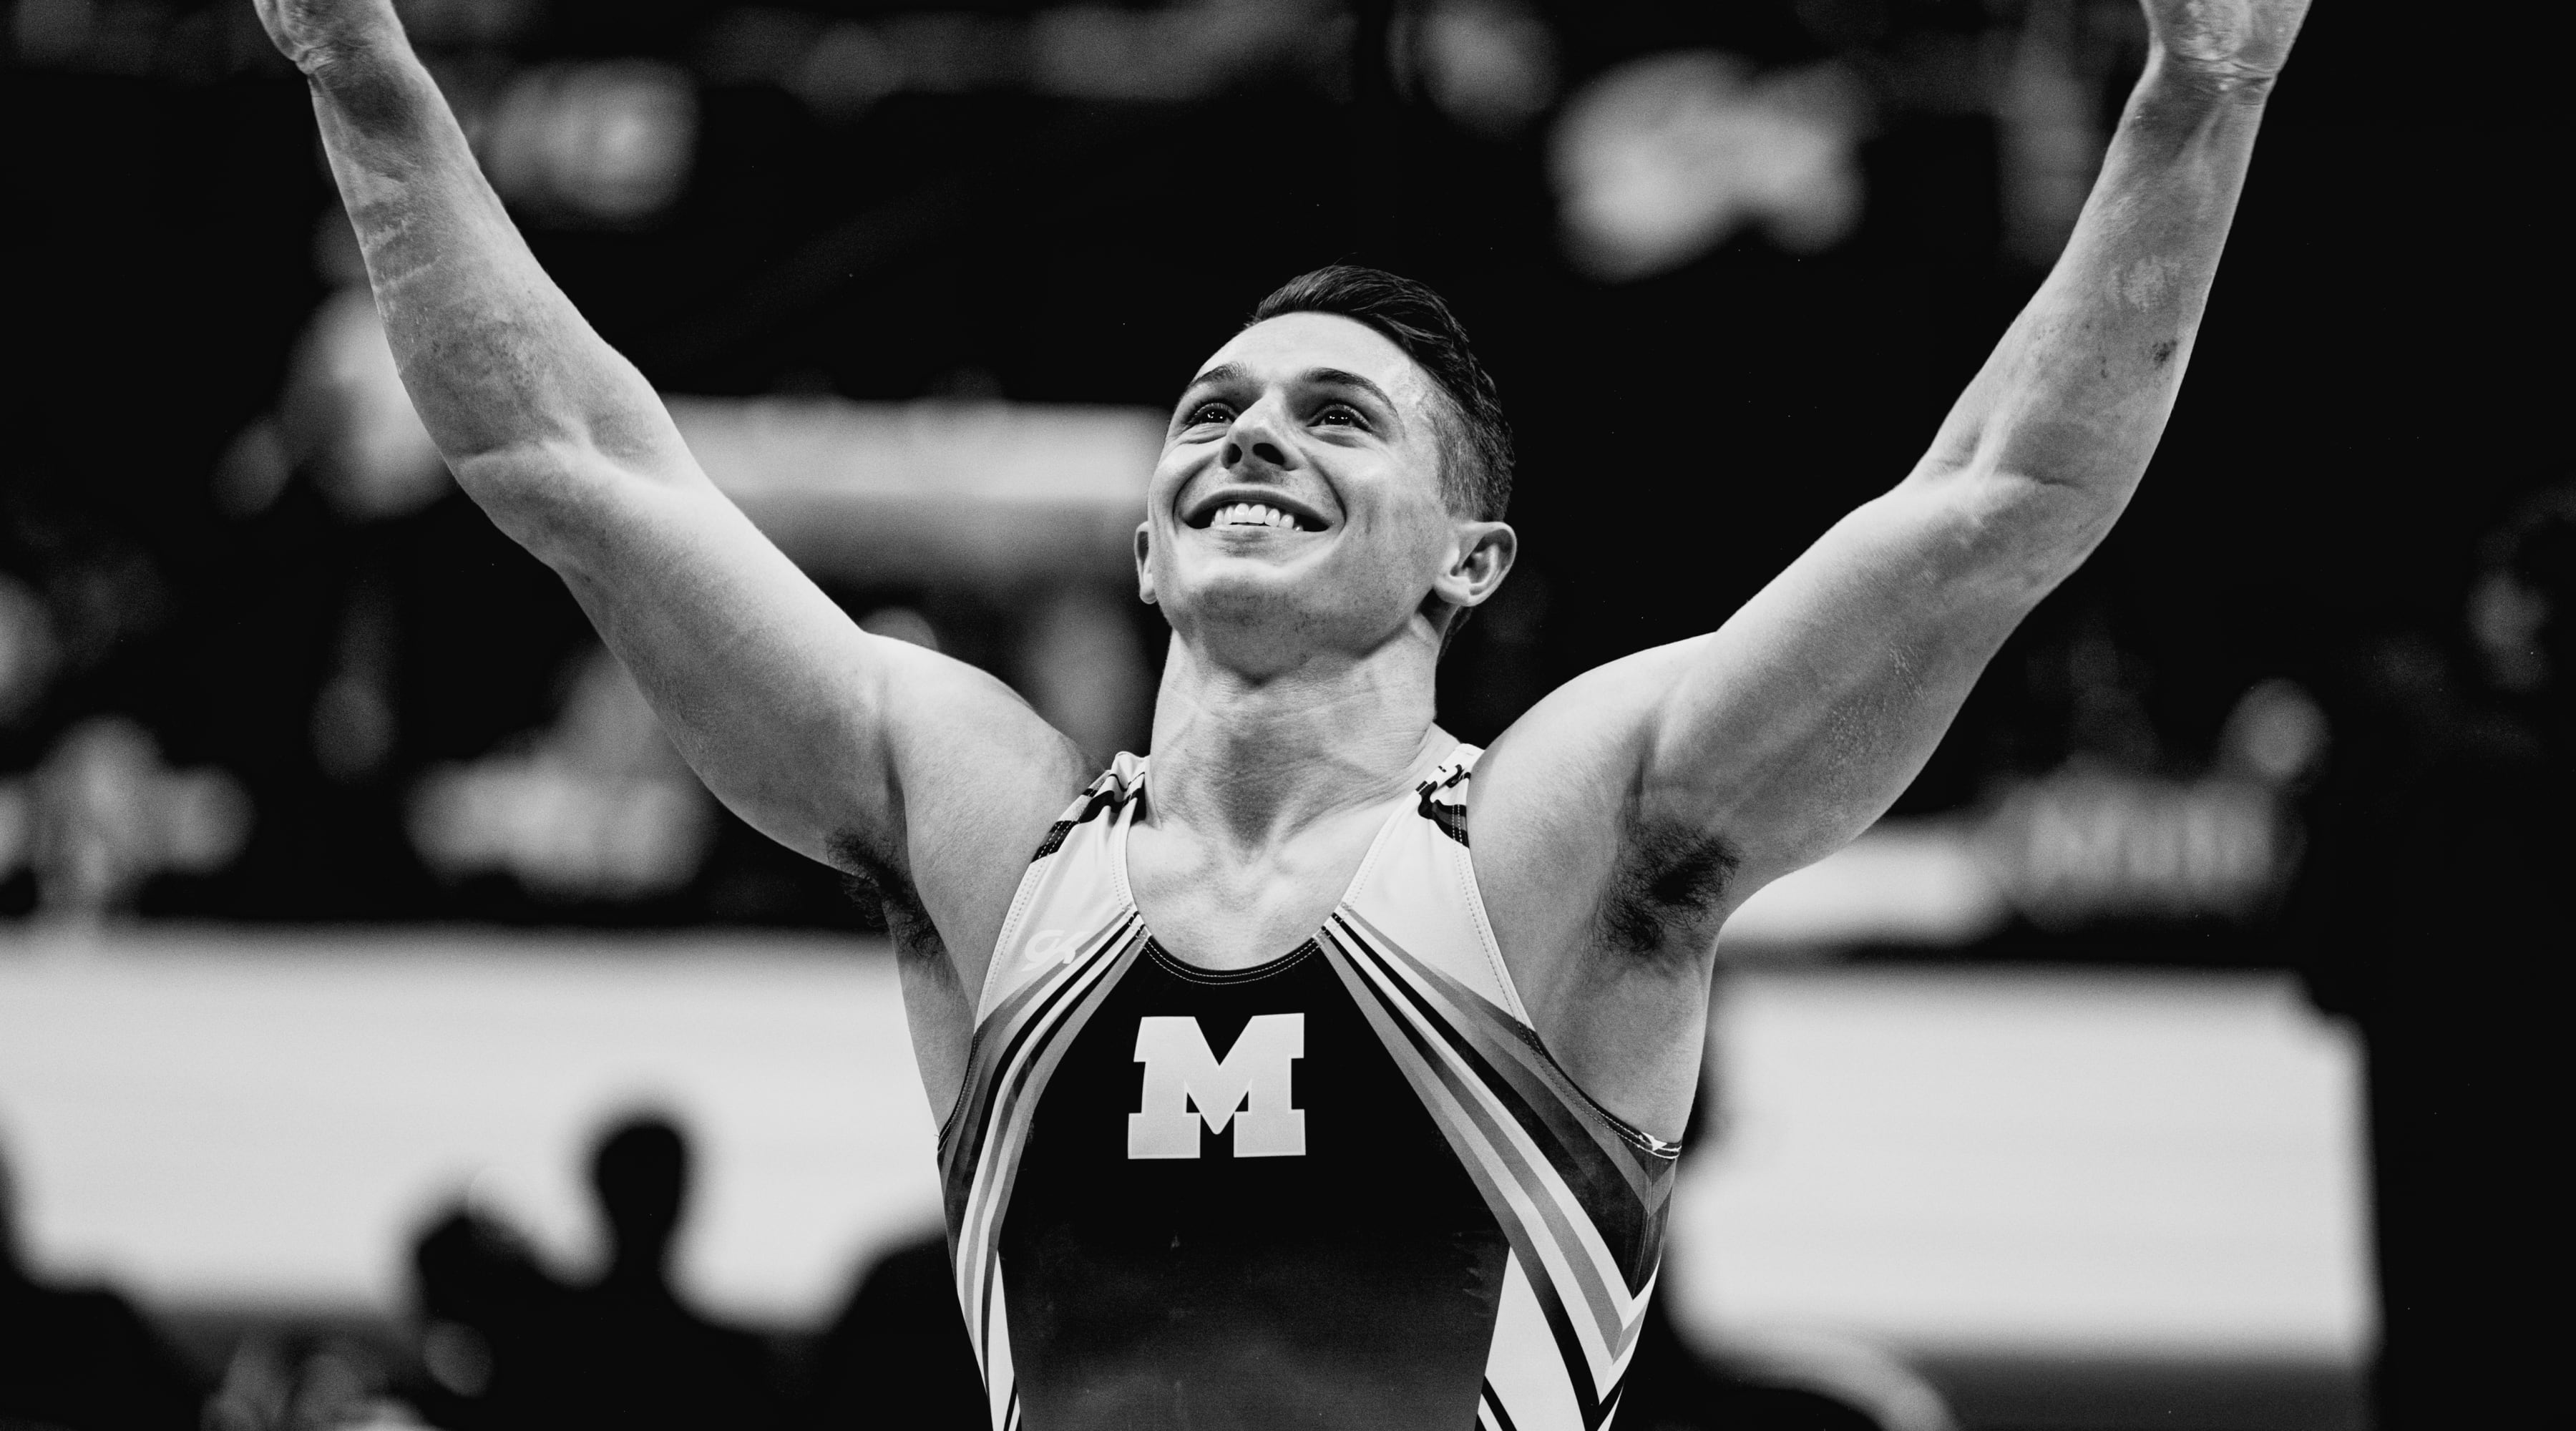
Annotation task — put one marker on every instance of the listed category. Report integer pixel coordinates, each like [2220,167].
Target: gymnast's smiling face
[1298,509]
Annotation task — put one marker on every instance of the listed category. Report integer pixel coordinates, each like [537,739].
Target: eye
[1341,414]
[1208,412]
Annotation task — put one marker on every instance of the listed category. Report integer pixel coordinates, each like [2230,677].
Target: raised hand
[317,33]
[2233,42]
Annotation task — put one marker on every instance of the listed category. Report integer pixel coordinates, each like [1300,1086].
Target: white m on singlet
[1250,1089]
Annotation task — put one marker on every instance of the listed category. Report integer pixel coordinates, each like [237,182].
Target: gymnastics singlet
[1344,1189]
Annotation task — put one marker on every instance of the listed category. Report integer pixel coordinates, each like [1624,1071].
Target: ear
[1480,558]
[1144,564]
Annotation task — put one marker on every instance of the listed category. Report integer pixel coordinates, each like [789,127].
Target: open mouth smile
[1225,512]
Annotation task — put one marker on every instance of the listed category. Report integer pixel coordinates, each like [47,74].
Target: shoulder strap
[1418,889]
[1072,894]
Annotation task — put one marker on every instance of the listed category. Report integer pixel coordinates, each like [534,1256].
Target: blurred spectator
[2439,916]
[898,1354]
[634,1355]
[604,143]
[371,623]
[81,1358]
[599,806]
[106,815]
[1488,64]
[507,1347]
[307,1381]
[488,1317]
[1663,159]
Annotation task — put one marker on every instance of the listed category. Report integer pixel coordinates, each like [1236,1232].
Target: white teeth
[1253,514]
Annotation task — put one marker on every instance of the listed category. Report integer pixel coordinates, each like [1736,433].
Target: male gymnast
[1271,1099]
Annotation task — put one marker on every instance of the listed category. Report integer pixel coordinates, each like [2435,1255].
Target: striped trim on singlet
[1580,1195]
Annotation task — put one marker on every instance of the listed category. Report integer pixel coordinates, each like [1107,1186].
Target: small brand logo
[1052,945]
[1187,1088]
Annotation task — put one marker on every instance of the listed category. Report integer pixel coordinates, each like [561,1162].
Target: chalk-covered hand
[2234,43]
[317,34]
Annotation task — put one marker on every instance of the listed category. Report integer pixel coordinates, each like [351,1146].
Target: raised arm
[1724,761]
[872,755]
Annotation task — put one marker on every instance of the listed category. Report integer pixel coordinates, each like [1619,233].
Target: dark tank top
[1347,1188]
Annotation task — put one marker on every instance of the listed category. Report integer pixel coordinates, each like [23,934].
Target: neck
[1249,759]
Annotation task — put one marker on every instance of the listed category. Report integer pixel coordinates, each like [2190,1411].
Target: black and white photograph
[1230,715]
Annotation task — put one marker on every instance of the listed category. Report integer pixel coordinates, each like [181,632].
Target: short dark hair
[1476,457]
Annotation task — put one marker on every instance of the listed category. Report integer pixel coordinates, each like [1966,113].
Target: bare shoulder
[974,779]
[979,776]
[1572,847]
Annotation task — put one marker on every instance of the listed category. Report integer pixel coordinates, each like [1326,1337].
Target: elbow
[580,510]
[2016,529]
[541,494]
[2056,510]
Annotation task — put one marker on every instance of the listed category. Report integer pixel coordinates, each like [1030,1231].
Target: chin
[1256,594]
[1284,611]
[1205,574]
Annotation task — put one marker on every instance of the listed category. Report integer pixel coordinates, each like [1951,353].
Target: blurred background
[367,949]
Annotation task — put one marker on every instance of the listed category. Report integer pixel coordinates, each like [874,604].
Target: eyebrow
[1327,377]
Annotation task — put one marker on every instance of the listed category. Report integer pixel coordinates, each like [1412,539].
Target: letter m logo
[1186,1087]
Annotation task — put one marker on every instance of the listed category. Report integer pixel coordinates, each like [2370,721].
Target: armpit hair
[1665,890]
[874,882]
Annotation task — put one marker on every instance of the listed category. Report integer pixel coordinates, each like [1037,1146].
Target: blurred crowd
[496,1339]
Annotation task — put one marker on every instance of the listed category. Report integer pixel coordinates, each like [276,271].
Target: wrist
[359,73]
[2176,78]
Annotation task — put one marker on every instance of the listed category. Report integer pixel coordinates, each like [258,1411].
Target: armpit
[1666,890]
[873,882]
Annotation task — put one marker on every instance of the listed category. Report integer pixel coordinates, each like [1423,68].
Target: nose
[1254,439]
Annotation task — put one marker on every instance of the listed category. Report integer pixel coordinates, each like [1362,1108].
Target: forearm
[509,378]
[2076,395]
